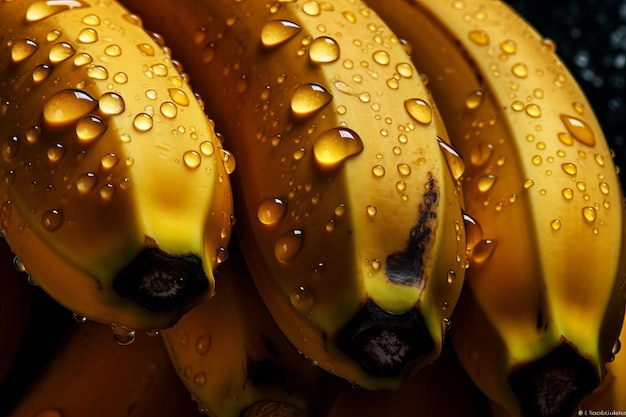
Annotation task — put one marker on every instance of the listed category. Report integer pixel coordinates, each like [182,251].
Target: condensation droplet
[288,245]
[324,49]
[203,344]
[579,130]
[308,98]
[419,110]
[51,220]
[277,32]
[60,52]
[604,188]
[508,46]
[109,160]
[335,145]
[301,298]
[271,210]
[405,69]
[22,50]
[533,110]
[481,153]
[451,276]
[97,72]
[41,72]
[113,50]
[68,106]
[567,193]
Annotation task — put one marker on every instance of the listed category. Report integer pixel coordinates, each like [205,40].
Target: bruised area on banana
[114,192]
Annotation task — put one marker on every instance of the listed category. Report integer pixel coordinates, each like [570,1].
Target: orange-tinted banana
[114,193]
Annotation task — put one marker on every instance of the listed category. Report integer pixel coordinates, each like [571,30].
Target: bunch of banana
[236,362]
[15,302]
[348,206]
[91,375]
[115,193]
[544,297]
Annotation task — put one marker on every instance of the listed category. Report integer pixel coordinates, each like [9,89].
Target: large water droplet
[192,159]
[277,32]
[22,50]
[324,50]
[68,106]
[179,96]
[419,110]
[288,245]
[112,103]
[90,127]
[335,145]
[60,52]
[88,35]
[42,9]
[579,130]
[143,122]
[308,98]
[271,210]
[589,213]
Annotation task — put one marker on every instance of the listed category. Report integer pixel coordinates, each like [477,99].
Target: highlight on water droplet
[288,245]
[51,220]
[277,32]
[22,50]
[109,160]
[42,9]
[146,49]
[419,110]
[579,130]
[473,230]
[68,106]
[335,145]
[309,98]
[271,210]
[324,49]
[508,46]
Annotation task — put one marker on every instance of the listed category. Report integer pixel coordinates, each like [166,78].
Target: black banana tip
[384,343]
[554,385]
[161,282]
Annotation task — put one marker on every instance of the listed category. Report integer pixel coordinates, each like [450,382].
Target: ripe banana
[235,361]
[114,192]
[348,207]
[15,300]
[91,375]
[544,296]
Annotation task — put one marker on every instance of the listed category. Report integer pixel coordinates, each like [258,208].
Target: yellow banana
[114,192]
[91,375]
[544,296]
[15,300]
[348,213]
[236,362]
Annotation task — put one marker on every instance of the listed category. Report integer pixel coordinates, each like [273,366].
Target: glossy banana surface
[348,206]
[114,192]
[544,297]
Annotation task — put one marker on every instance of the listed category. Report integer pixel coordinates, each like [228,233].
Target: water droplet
[474,99]
[381,57]
[482,251]
[230,162]
[520,70]
[579,130]
[169,109]
[143,122]
[533,110]
[508,46]
[10,148]
[473,231]
[122,335]
[301,298]
[288,245]
[335,145]
[604,188]
[569,168]
[51,220]
[146,49]
[55,152]
[109,160]
[90,127]
[68,106]
[120,78]
[40,10]
[112,103]
[349,16]
[78,318]
[179,96]
[486,182]
[22,50]
[60,52]
[113,50]
[88,35]
[453,158]
[567,193]
[324,49]
[86,182]
[481,153]
[192,159]
[271,210]
[419,110]
[378,171]
[555,224]
[479,37]
[589,213]
[277,32]
[207,148]
[308,98]
[371,211]
[566,138]
[451,276]
[203,344]
[404,169]
[91,19]
[536,160]
[41,72]
[312,8]
[97,72]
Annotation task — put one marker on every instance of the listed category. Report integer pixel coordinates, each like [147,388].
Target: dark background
[590,38]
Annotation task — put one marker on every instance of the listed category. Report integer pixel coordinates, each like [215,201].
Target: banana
[91,375]
[544,296]
[236,362]
[15,302]
[114,194]
[348,210]
[440,389]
